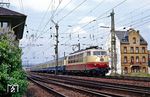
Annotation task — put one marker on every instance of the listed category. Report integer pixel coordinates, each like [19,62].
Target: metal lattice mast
[113,44]
[56,46]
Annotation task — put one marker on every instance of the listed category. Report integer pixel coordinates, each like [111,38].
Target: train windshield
[99,53]
[103,53]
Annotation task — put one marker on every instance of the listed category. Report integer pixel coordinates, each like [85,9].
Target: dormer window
[134,40]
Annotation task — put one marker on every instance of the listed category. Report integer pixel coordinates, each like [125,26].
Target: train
[93,61]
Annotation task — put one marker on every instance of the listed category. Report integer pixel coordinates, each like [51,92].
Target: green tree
[11,71]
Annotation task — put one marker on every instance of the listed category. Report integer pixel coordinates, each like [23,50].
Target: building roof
[123,37]
[16,19]
[7,12]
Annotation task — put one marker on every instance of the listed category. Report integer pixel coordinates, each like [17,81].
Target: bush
[11,71]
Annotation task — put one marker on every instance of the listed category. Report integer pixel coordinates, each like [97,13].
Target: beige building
[134,57]
[132,54]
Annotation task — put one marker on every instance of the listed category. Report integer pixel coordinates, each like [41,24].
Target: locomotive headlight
[101,59]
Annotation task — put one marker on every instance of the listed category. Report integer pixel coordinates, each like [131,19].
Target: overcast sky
[79,21]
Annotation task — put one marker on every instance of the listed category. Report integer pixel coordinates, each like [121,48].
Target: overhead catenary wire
[63,8]
[90,11]
[141,24]
[103,14]
[52,16]
[112,8]
[86,0]
[100,16]
[72,11]
[92,20]
[50,5]
[42,19]
[85,26]
[96,6]
[65,15]
[137,21]
[132,11]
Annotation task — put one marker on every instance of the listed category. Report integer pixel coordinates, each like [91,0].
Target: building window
[143,49]
[126,70]
[3,24]
[134,40]
[125,59]
[125,49]
[132,50]
[137,59]
[144,69]
[143,59]
[137,49]
[132,60]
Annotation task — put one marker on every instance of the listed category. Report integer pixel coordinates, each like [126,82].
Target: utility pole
[78,45]
[113,44]
[56,47]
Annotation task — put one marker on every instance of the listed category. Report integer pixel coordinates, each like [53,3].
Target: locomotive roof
[89,48]
[62,58]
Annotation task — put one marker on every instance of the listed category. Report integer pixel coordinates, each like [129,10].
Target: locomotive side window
[81,57]
[88,53]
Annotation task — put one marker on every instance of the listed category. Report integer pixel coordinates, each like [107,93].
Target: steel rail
[48,89]
[86,90]
[96,84]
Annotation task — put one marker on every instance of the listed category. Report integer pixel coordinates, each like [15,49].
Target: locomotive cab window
[99,53]
[96,53]
[103,53]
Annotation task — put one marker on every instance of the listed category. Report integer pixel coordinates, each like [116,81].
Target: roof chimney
[138,31]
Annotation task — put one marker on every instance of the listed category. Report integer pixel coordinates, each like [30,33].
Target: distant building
[131,49]
[12,22]
[149,61]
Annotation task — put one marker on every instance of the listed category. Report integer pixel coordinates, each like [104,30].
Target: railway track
[89,92]
[134,83]
[144,79]
[139,91]
[46,88]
